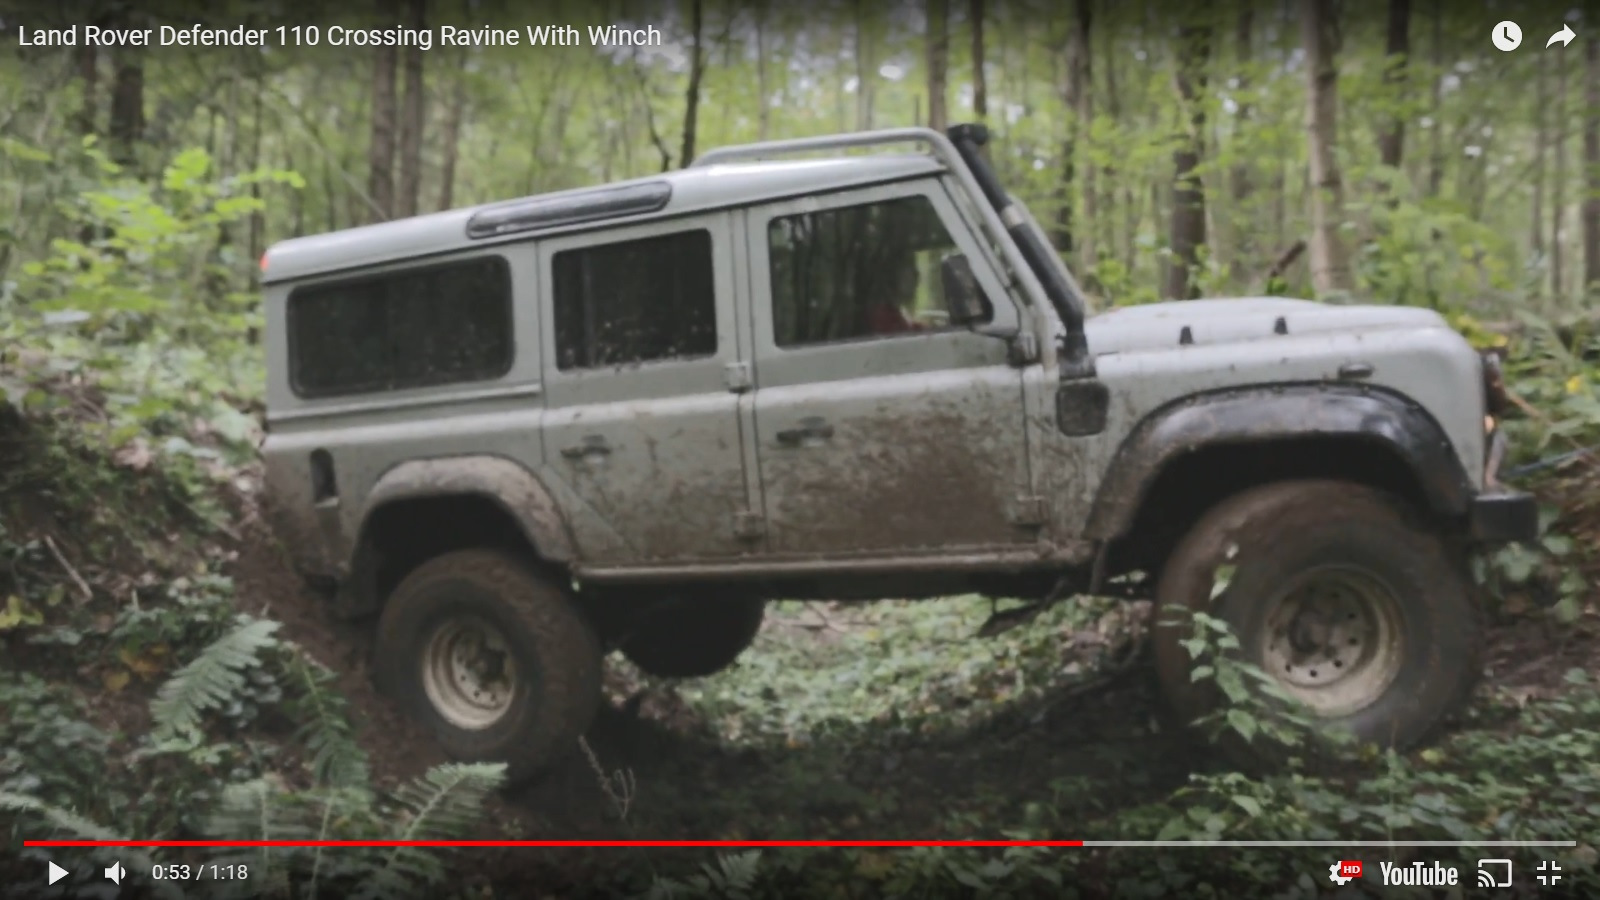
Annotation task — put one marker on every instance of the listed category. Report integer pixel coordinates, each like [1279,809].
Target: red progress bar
[552,843]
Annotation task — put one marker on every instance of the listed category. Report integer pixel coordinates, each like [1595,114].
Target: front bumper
[1503,517]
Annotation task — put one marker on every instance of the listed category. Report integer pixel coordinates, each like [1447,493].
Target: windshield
[1055,256]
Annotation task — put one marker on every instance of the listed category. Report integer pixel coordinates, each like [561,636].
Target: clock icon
[1507,36]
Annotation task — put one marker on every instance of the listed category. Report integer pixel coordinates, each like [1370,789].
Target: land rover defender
[626,417]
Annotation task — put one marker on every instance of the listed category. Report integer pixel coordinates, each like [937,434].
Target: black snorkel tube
[1075,359]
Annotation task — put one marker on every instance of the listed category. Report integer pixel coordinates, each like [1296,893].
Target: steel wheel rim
[468,673]
[1334,640]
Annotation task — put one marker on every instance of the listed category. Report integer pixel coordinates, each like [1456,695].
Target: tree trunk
[126,127]
[1330,268]
[764,119]
[1391,141]
[258,222]
[1541,136]
[697,71]
[452,144]
[866,68]
[1083,122]
[1558,184]
[380,149]
[412,120]
[938,62]
[1436,135]
[88,63]
[980,83]
[1073,57]
[1591,162]
[1188,232]
[1241,183]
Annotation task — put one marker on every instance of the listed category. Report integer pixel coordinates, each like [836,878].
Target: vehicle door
[880,429]
[641,427]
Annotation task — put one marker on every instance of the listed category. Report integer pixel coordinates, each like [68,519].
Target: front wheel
[495,660]
[1337,591]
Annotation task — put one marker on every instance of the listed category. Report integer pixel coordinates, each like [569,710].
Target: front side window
[412,328]
[635,301]
[870,270]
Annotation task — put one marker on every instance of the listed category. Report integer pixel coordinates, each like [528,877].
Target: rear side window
[635,301]
[413,328]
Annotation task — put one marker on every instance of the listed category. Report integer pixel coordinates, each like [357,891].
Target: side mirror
[962,296]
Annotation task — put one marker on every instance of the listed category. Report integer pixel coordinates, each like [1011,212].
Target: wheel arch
[422,508]
[1190,454]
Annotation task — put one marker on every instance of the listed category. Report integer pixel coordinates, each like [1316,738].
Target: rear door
[642,423]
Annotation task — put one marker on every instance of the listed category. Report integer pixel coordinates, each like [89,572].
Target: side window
[862,271]
[635,301]
[411,328]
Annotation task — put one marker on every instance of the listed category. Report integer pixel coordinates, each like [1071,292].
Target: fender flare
[1263,414]
[501,481]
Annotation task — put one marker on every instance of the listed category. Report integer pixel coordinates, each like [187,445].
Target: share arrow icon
[56,873]
[1564,36]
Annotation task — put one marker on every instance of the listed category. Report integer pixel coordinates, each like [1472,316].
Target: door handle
[811,429]
[593,445]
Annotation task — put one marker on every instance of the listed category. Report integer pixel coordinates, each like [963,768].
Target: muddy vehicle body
[526,433]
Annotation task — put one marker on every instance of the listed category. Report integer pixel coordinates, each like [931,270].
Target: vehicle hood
[1223,321]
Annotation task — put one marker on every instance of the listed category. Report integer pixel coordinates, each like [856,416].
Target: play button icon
[56,873]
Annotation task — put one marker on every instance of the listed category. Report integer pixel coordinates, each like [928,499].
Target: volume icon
[115,871]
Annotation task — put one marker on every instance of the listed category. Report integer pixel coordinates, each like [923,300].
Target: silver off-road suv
[625,417]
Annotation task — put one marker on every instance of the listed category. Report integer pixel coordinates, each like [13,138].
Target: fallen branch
[1285,260]
[83,586]
[619,787]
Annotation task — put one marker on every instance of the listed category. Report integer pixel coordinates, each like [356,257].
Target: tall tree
[412,119]
[87,59]
[1391,140]
[1541,137]
[938,40]
[1074,86]
[454,118]
[1188,231]
[380,147]
[1240,177]
[764,116]
[697,71]
[1436,131]
[1082,103]
[1558,183]
[1591,161]
[126,128]
[1330,267]
[980,81]
[866,67]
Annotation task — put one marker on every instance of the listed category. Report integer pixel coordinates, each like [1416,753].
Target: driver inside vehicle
[887,315]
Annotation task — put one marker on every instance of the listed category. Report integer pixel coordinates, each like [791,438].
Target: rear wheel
[693,638]
[493,658]
[1341,594]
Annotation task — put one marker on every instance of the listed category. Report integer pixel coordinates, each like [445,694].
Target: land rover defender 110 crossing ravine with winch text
[626,417]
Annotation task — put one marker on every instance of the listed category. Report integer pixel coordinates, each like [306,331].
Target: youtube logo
[1344,871]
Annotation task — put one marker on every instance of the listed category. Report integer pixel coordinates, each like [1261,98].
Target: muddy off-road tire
[692,639]
[496,660]
[1343,594]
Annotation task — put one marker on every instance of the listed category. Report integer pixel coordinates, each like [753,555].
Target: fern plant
[337,761]
[76,827]
[444,803]
[733,877]
[211,680]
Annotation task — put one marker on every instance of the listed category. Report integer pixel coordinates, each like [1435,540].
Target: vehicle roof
[692,190]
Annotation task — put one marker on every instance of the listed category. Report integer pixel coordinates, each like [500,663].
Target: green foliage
[212,680]
[1255,705]
[145,300]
